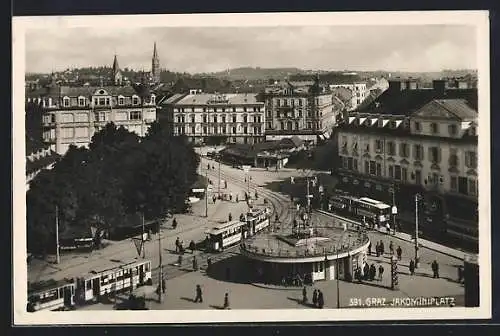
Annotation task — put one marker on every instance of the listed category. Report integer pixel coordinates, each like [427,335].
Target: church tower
[117,73]
[155,66]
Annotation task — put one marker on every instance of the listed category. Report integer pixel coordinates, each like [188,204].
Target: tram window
[88,285]
[147,267]
[321,266]
[61,292]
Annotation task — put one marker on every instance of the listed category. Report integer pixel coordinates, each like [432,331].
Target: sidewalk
[422,242]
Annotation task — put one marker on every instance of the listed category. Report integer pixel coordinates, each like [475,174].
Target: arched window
[66,101]
[153,99]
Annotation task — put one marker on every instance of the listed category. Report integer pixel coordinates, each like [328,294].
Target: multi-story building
[38,157]
[358,89]
[72,115]
[308,110]
[410,141]
[215,118]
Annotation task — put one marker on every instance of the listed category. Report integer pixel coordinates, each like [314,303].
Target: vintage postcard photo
[251,167]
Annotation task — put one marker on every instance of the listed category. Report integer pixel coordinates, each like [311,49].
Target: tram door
[141,274]
[68,296]
[96,287]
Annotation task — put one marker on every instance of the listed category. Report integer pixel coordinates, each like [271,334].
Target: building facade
[215,118]
[359,91]
[431,150]
[38,157]
[72,115]
[305,109]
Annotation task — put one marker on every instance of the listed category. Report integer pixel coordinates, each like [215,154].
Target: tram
[257,220]
[51,295]
[225,235]
[89,288]
[369,210]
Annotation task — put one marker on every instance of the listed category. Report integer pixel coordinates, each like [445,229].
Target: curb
[276,287]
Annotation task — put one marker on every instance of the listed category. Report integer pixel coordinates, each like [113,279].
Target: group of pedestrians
[369,273]
[380,249]
[199,297]
[318,299]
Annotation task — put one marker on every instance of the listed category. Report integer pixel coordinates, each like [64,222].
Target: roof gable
[455,109]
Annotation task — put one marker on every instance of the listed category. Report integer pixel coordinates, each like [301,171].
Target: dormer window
[121,100]
[135,100]
[81,101]
[452,129]
[418,126]
[153,99]
[66,101]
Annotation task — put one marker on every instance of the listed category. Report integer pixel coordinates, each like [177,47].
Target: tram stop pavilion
[303,257]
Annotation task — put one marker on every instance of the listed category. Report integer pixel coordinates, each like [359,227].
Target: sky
[209,49]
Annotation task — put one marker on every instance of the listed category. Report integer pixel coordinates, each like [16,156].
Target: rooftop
[224,99]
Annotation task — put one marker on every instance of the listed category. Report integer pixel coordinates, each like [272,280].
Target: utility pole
[57,235]
[308,197]
[218,160]
[394,208]
[142,238]
[417,197]
[160,285]
[206,194]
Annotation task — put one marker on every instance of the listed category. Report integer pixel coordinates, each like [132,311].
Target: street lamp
[394,209]
[337,270]
[418,197]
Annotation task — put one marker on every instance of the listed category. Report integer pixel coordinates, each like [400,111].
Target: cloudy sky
[202,49]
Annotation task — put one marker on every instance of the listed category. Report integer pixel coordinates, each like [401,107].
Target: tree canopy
[119,174]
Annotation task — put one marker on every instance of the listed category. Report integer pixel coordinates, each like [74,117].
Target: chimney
[411,84]
[439,86]
[396,85]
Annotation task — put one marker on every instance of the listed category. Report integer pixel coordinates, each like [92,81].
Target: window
[397,172]
[454,183]
[223,119]
[434,154]
[81,132]
[418,152]
[418,126]
[67,118]
[121,101]
[204,118]
[434,128]
[379,169]
[452,129]
[300,102]
[470,159]
[391,171]
[472,187]
[245,130]
[245,119]
[355,164]
[82,117]
[135,115]
[81,101]
[379,146]
[153,100]
[66,102]
[135,100]
[244,109]
[193,130]
[404,150]
[68,132]
[102,101]
[234,118]
[391,148]
[367,167]
[373,167]
[193,119]
[204,129]
[404,174]
[418,177]
[234,130]
[453,162]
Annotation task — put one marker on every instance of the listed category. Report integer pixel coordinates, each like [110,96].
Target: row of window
[290,126]
[221,119]
[463,185]
[98,116]
[215,109]
[105,101]
[435,128]
[222,130]
[434,153]
[297,114]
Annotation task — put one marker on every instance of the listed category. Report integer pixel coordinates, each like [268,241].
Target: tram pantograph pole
[57,235]
[417,197]
[160,282]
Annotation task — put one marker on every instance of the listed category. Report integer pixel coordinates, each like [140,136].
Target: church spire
[117,73]
[155,52]
[155,65]
[116,67]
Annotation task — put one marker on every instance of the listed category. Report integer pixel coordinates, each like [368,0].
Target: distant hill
[249,73]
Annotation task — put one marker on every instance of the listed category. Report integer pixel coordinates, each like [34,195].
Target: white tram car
[52,295]
[225,235]
[257,220]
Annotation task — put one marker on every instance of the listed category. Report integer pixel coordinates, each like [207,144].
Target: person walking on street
[226,301]
[214,199]
[315,298]
[199,297]
[195,264]
[380,272]
[321,299]
[377,249]
[382,250]
[460,274]
[174,223]
[412,267]
[192,246]
[304,295]
[366,272]
[435,269]
[370,248]
[230,217]
[391,248]
[399,252]
[177,245]
[163,289]
[237,200]
[373,272]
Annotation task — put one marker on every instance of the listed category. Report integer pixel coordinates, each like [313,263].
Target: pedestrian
[435,269]
[179,260]
[387,228]
[382,250]
[373,272]
[358,276]
[256,194]
[174,223]
[321,300]
[315,298]
[377,249]
[380,272]
[163,287]
[391,248]
[230,217]
[231,197]
[460,274]
[214,199]
[225,184]
[304,295]
[412,267]
[177,244]
[366,271]
[399,251]
[199,297]
[237,200]
[370,248]
[226,301]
